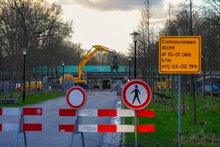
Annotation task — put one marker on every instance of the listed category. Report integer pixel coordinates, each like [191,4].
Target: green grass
[34,99]
[205,133]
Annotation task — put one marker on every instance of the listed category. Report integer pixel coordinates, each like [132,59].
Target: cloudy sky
[109,22]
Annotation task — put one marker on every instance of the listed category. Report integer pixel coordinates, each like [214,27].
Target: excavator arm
[87,57]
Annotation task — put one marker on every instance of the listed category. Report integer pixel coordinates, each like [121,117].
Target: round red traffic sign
[136,94]
[76,97]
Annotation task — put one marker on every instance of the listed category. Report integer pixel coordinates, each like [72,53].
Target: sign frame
[133,82]
[187,38]
[84,99]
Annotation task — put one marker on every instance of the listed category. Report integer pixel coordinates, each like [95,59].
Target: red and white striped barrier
[107,127]
[19,112]
[107,112]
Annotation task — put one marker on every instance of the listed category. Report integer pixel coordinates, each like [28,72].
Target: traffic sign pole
[135,125]
[179,105]
[179,110]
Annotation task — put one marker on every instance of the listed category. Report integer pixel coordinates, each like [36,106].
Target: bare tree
[144,51]
[29,24]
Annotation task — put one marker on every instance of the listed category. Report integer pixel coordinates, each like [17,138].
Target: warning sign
[180,55]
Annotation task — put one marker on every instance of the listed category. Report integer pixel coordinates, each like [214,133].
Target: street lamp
[129,68]
[24,51]
[63,71]
[135,37]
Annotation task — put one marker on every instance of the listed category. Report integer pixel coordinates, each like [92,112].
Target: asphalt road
[50,136]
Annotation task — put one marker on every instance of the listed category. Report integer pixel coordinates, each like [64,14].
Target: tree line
[40,29]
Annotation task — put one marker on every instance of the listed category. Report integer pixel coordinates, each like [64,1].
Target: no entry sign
[136,94]
[76,97]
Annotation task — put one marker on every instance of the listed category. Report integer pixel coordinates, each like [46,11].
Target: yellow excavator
[95,48]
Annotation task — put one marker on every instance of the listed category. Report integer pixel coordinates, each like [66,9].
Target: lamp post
[135,37]
[129,68]
[24,51]
[63,70]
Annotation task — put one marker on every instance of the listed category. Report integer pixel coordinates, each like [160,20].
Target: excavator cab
[114,63]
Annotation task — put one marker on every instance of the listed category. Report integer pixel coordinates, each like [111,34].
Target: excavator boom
[88,56]
[95,48]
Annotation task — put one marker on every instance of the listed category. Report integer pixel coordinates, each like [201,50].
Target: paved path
[50,136]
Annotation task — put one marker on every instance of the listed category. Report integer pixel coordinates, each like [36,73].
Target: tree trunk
[211,84]
[204,82]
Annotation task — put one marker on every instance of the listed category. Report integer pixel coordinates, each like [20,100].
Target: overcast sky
[109,22]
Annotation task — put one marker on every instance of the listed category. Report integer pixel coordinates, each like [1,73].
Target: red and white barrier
[106,127]
[107,112]
[15,127]
[19,112]
[10,111]
[21,126]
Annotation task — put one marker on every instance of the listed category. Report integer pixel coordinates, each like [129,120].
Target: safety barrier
[75,127]
[21,126]
[106,127]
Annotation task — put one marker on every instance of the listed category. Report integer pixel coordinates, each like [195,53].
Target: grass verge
[205,133]
[34,99]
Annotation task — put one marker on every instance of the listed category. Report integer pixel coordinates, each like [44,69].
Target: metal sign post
[179,105]
[135,133]
[179,110]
